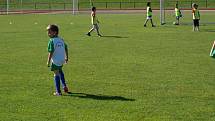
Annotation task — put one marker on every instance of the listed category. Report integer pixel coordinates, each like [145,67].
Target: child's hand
[66,60]
[48,64]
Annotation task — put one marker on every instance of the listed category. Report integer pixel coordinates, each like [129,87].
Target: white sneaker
[57,94]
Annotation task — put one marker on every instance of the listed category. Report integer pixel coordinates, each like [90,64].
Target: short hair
[93,8]
[176,5]
[148,3]
[193,5]
[53,28]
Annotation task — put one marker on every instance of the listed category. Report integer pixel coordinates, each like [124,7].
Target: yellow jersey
[149,11]
[93,18]
[196,14]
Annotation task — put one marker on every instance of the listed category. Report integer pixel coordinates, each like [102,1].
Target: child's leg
[152,22]
[92,29]
[177,20]
[97,29]
[197,26]
[63,81]
[145,22]
[194,25]
[62,78]
[57,81]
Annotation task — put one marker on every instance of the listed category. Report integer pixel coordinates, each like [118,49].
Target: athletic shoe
[66,90]
[88,34]
[99,35]
[144,25]
[57,94]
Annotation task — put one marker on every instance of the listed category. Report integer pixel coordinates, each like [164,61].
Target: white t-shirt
[57,46]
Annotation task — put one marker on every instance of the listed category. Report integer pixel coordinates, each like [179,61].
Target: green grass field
[132,74]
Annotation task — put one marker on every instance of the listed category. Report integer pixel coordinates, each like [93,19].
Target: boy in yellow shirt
[149,14]
[196,17]
[177,14]
[94,22]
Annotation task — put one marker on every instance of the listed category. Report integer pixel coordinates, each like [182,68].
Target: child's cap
[52,27]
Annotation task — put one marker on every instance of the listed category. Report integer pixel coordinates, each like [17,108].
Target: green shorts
[55,67]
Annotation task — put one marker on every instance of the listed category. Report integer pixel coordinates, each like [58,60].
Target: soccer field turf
[131,74]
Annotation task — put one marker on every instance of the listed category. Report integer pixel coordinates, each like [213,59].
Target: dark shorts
[95,26]
[55,67]
[177,17]
[196,22]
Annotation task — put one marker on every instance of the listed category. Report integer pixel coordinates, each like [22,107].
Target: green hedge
[100,4]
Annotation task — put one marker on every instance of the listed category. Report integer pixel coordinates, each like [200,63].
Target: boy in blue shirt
[57,56]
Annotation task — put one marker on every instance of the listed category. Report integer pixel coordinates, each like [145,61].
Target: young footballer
[57,56]
[177,14]
[196,17]
[94,22]
[149,14]
[212,52]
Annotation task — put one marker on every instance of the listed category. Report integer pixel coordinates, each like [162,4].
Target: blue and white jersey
[57,46]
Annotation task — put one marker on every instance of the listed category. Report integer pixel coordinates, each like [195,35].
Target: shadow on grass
[113,36]
[98,97]
[207,30]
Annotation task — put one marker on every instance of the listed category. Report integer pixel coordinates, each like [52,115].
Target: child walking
[149,14]
[196,17]
[94,22]
[57,56]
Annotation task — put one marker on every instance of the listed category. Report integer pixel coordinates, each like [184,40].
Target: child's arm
[67,54]
[51,51]
[150,9]
[199,15]
[180,14]
[94,17]
[193,11]
[49,58]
